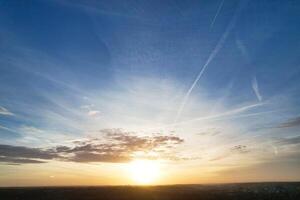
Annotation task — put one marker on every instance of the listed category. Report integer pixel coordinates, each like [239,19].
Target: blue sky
[214,73]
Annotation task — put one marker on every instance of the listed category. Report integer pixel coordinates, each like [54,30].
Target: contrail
[225,114]
[217,13]
[210,58]
[233,113]
[255,89]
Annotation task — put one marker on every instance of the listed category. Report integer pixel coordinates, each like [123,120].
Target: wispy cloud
[240,149]
[228,152]
[256,88]
[290,123]
[242,47]
[289,141]
[225,114]
[210,132]
[4,111]
[5,128]
[93,113]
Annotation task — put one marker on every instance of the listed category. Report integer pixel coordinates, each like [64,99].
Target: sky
[208,89]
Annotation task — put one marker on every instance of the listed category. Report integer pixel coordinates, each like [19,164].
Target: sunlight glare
[144,171]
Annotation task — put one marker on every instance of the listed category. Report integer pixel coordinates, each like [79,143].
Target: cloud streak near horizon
[116,146]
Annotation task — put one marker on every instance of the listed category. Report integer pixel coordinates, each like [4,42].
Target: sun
[144,171]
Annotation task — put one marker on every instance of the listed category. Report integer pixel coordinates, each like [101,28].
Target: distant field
[251,191]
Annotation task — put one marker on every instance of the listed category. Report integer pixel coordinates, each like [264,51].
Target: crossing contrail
[210,58]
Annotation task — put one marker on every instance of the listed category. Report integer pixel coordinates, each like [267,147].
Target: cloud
[116,146]
[25,152]
[4,111]
[99,157]
[121,146]
[289,141]
[290,123]
[20,154]
[90,110]
[256,89]
[241,46]
[210,132]
[5,128]
[93,113]
[229,113]
[240,149]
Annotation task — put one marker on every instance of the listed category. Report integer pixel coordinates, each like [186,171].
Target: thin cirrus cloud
[117,146]
[4,111]
[256,89]
[93,113]
[210,132]
[290,123]
[234,150]
[289,141]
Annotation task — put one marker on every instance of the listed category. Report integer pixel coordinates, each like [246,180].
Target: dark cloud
[240,149]
[19,160]
[25,152]
[289,141]
[22,155]
[119,146]
[98,157]
[290,123]
[116,145]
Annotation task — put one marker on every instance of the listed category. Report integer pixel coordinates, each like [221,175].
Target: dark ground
[187,192]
